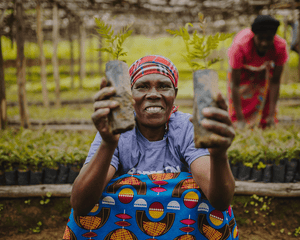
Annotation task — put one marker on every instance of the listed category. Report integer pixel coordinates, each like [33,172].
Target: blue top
[175,153]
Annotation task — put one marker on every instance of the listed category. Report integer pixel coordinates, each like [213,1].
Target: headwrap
[153,64]
[263,23]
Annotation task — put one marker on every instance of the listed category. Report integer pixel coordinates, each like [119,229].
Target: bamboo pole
[21,68]
[40,38]
[55,36]
[82,37]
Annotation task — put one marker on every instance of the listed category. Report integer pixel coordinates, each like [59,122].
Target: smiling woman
[154,96]
[160,145]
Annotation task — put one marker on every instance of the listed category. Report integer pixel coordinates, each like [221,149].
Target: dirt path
[258,218]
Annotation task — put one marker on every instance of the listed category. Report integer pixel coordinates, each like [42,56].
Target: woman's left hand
[217,121]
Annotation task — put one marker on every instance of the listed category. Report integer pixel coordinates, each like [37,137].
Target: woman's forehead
[153,77]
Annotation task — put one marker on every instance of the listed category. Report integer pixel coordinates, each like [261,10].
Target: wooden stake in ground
[82,36]
[3,110]
[21,70]
[120,119]
[55,39]
[3,105]
[40,38]
[71,53]
[205,94]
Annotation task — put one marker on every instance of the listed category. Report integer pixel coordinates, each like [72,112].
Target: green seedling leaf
[115,41]
[199,47]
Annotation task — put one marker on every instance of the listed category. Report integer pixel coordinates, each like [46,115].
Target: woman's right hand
[102,107]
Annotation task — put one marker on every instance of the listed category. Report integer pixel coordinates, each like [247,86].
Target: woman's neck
[152,134]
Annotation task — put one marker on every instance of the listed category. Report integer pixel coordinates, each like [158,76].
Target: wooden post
[71,54]
[40,39]
[55,36]
[3,105]
[298,43]
[3,110]
[91,60]
[285,70]
[21,68]
[82,36]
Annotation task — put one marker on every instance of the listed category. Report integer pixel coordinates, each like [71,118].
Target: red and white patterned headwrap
[153,64]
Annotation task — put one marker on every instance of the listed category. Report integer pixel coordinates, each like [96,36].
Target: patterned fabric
[256,73]
[157,206]
[153,64]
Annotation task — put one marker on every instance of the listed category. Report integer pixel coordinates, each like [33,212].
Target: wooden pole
[3,110]
[82,36]
[55,36]
[3,105]
[285,70]
[21,68]
[91,60]
[298,44]
[40,38]
[241,188]
[71,54]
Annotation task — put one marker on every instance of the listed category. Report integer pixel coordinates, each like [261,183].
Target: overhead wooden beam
[21,69]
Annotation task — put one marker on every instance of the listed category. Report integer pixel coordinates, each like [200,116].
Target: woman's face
[154,95]
[263,42]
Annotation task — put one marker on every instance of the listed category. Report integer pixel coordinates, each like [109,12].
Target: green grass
[64,113]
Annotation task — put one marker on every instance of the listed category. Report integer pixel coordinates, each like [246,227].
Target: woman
[256,58]
[162,140]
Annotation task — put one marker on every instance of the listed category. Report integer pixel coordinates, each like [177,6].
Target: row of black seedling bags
[287,171]
[62,175]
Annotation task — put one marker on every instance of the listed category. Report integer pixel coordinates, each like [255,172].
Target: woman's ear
[176,90]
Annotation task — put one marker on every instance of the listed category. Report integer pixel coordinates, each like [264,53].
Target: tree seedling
[47,200]
[115,41]
[120,119]
[37,229]
[199,47]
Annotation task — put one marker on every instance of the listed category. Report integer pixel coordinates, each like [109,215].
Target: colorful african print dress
[255,76]
[157,206]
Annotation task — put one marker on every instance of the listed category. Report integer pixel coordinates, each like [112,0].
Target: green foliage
[46,200]
[42,148]
[37,229]
[253,146]
[116,41]
[297,232]
[199,47]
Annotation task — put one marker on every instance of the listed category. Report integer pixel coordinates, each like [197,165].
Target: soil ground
[258,218]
